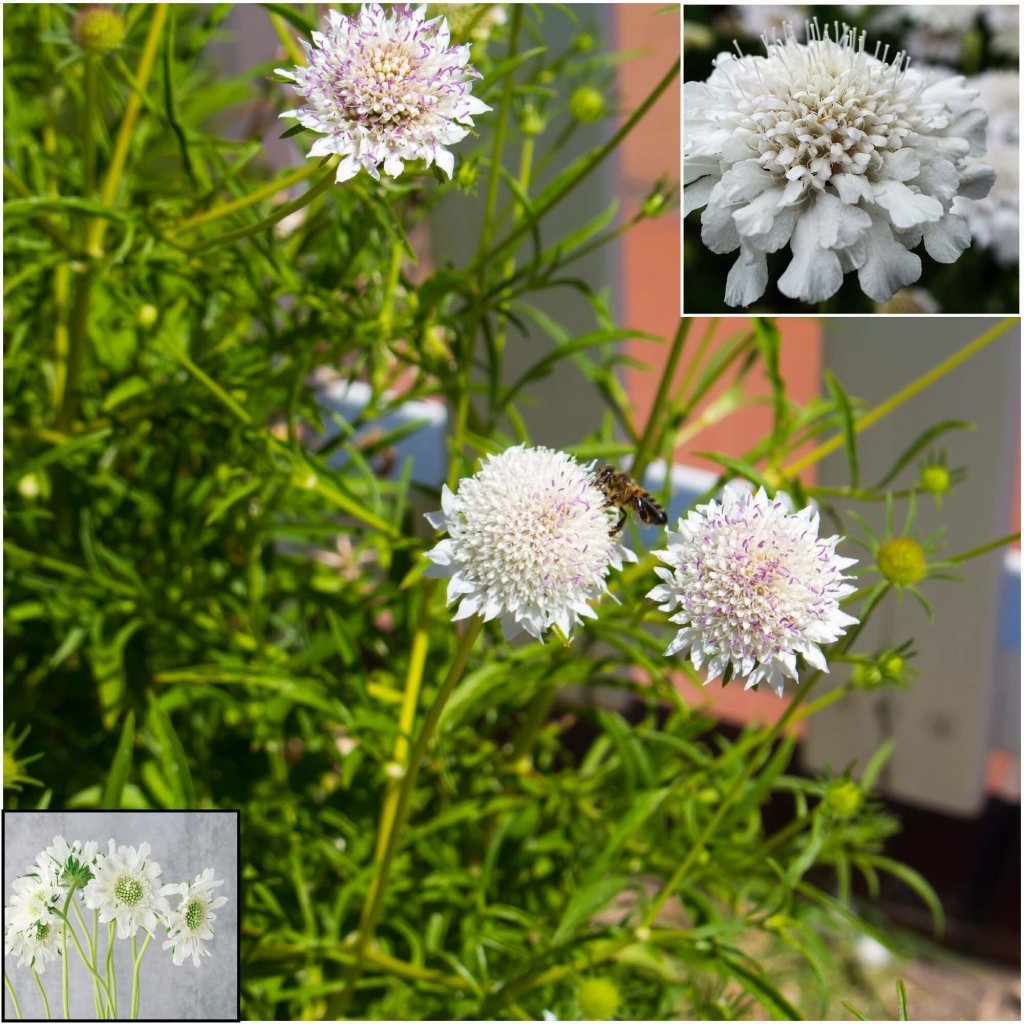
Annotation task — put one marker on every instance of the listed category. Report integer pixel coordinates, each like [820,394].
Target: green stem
[108,192]
[648,440]
[587,168]
[42,992]
[54,230]
[89,108]
[375,899]
[983,549]
[914,388]
[279,213]
[250,199]
[69,930]
[136,960]
[14,998]
[78,342]
[498,147]
[91,941]
[111,974]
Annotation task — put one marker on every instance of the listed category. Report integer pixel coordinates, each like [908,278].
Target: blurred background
[980,41]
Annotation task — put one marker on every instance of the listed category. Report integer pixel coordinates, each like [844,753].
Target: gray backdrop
[183,843]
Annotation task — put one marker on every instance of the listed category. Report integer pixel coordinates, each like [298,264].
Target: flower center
[42,930]
[128,890]
[827,107]
[902,561]
[380,87]
[194,914]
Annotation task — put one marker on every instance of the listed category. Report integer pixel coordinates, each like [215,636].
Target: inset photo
[122,915]
[851,159]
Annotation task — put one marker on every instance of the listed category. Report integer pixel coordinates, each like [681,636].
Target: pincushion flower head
[384,87]
[753,587]
[190,926]
[528,540]
[126,888]
[847,158]
[71,862]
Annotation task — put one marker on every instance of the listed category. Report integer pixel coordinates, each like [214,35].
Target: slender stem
[14,998]
[250,199]
[78,344]
[89,107]
[108,191]
[498,147]
[587,168]
[54,230]
[652,431]
[406,721]
[914,388]
[64,963]
[69,929]
[278,213]
[752,764]
[136,960]
[983,549]
[111,974]
[42,992]
[91,941]
[375,898]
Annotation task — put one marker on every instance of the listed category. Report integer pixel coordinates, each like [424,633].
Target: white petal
[945,241]
[747,278]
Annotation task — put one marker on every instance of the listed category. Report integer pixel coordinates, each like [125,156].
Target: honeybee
[625,494]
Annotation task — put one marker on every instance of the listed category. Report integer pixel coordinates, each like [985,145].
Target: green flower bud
[587,104]
[583,43]
[653,204]
[893,668]
[902,561]
[531,123]
[935,479]
[843,798]
[98,29]
[599,999]
[466,175]
[147,315]
[866,677]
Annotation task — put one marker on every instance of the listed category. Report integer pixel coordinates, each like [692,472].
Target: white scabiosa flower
[847,159]
[528,539]
[190,926]
[34,898]
[126,888]
[384,87]
[753,587]
[71,862]
[34,944]
[995,220]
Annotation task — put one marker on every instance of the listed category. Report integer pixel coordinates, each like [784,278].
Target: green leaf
[873,769]
[740,468]
[121,767]
[292,16]
[854,1011]
[901,1000]
[758,986]
[585,902]
[917,882]
[845,408]
[172,756]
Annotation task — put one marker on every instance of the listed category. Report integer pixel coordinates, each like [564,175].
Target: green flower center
[902,561]
[128,890]
[42,930]
[599,999]
[194,914]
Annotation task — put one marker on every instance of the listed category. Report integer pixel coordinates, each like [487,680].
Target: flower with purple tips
[529,540]
[385,87]
[753,587]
